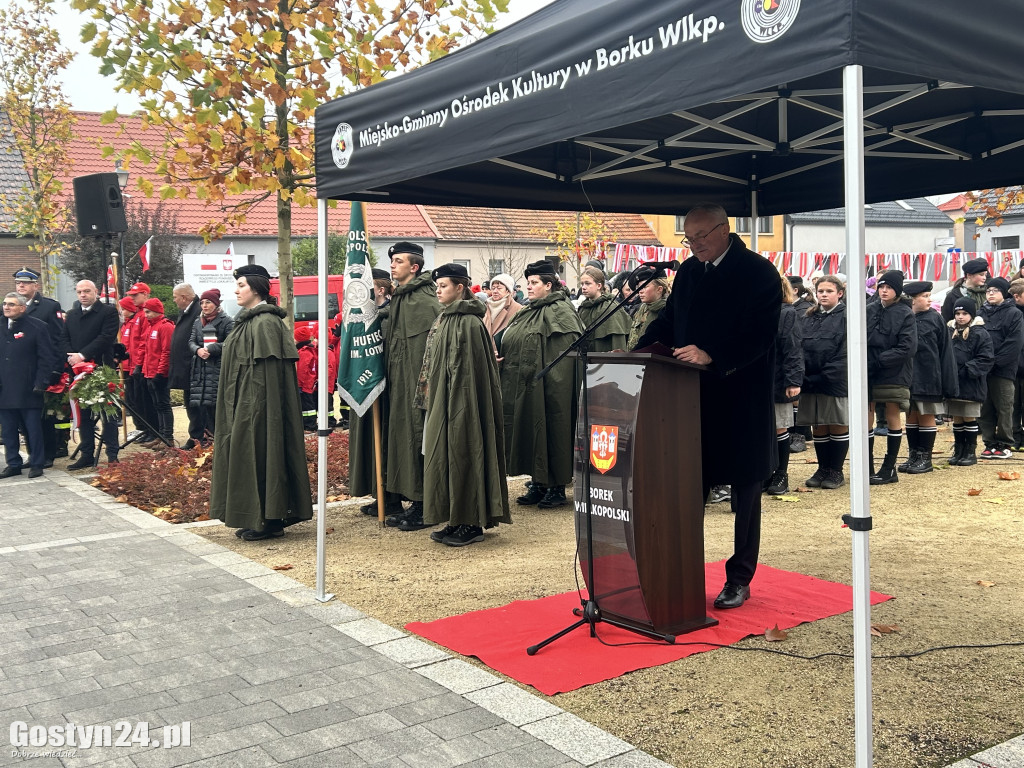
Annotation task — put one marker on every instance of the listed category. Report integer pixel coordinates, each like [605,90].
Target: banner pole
[322,431]
[378,455]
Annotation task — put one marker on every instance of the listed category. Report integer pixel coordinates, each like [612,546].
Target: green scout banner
[361,366]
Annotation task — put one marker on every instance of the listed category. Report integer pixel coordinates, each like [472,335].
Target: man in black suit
[56,430]
[181,356]
[90,330]
[27,356]
[723,313]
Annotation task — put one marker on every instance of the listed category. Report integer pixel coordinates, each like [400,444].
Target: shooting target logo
[768,20]
[342,145]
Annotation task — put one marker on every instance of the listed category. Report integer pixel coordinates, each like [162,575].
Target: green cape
[613,333]
[259,463]
[540,416]
[464,445]
[412,311]
[642,320]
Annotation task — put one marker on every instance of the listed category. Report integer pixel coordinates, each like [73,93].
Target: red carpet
[499,636]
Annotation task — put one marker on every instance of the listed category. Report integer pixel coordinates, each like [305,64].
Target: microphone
[673,265]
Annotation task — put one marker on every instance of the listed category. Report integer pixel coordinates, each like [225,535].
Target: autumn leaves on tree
[233,85]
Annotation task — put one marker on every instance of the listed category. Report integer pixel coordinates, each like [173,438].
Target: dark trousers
[997,412]
[31,420]
[308,401]
[87,434]
[144,405]
[160,393]
[1018,412]
[746,507]
[196,420]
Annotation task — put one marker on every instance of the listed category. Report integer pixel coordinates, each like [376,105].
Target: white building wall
[478,255]
[830,238]
[987,234]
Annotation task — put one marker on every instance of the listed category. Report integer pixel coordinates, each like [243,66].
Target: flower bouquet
[97,388]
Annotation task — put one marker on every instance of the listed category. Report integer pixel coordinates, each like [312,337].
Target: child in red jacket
[306,371]
[156,364]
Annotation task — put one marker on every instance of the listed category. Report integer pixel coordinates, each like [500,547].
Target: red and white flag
[144,253]
[111,282]
[231,250]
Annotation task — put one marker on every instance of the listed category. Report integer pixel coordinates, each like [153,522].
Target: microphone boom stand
[590,611]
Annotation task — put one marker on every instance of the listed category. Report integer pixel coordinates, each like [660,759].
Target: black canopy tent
[692,109]
[654,105]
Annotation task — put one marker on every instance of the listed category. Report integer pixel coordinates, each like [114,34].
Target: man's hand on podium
[692,354]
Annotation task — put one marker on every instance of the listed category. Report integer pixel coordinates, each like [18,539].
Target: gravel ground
[931,545]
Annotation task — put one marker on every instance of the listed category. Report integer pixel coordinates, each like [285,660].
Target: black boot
[391,507]
[413,520]
[959,443]
[923,463]
[84,462]
[534,494]
[554,497]
[779,483]
[912,458]
[969,457]
[886,473]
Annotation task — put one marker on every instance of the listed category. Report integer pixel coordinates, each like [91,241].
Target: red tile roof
[383,219]
[508,224]
[957,203]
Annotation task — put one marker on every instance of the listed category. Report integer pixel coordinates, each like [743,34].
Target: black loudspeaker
[99,206]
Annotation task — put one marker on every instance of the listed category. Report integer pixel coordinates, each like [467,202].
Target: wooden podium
[643,445]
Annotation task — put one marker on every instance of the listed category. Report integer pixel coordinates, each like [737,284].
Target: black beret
[381,274]
[645,272]
[405,247]
[974,266]
[893,278]
[449,270]
[251,269]
[966,303]
[1021,265]
[915,287]
[26,274]
[999,283]
[795,280]
[596,263]
[542,267]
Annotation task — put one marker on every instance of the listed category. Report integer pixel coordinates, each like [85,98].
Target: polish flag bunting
[231,250]
[145,252]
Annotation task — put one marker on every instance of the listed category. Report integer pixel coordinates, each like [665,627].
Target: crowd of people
[464,408]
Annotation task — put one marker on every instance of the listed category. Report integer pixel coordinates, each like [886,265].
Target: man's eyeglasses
[688,241]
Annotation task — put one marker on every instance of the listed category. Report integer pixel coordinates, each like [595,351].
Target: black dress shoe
[82,463]
[732,595]
[35,472]
[10,472]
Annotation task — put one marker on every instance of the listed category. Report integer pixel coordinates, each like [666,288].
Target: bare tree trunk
[284,256]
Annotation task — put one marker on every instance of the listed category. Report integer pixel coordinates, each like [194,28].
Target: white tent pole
[322,334]
[860,500]
[753,220]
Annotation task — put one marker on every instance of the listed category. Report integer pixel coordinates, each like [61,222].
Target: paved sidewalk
[109,615]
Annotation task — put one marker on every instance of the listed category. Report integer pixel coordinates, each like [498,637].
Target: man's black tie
[708,266]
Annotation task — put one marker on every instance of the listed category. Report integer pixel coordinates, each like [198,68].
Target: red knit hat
[154,305]
[128,305]
[303,333]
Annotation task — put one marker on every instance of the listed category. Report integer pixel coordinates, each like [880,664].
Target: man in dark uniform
[181,357]
[413,308]
[56,430]
[737,344]
[90,330]
[27,358]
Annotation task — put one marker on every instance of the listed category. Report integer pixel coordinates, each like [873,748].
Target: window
[765,225]
[495,267]
[1006,243]
[467,264]
[679,224]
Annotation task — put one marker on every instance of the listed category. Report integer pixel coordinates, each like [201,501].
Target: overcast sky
[88,91]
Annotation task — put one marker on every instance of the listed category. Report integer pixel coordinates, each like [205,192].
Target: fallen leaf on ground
[96,482]
[330,530]
[202,517]
[787,498]
[974,492]
[802,490]
[994,501]
[121,499]
[283,567]
[775,635]
[1009,475]
[983,583]
[883,629]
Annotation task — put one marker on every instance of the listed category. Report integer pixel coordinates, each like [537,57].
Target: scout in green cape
[540,416]
[464,482]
